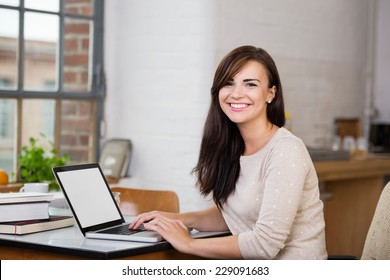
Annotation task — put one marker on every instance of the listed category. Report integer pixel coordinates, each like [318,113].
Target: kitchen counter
[350,190]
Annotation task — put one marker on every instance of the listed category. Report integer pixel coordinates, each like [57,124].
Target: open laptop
[93,205]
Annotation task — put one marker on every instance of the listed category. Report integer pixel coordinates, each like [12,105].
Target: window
[51,67]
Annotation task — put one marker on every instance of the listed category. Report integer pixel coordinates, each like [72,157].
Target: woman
[260,175]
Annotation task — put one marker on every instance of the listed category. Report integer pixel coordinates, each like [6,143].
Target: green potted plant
[35,163]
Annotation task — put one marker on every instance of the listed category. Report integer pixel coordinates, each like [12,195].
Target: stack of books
[24,206]
[28,212]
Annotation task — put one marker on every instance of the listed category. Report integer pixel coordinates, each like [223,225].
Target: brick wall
[76,115]
[76,129]
[76,55]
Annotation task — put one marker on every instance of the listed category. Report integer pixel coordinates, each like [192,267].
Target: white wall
[161,56]
[381,87]
[319,48]
[159,65]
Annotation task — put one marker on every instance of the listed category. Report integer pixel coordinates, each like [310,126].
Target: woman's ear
[272,93]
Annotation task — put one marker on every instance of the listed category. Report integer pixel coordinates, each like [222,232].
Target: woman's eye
[251,85]
[228,84]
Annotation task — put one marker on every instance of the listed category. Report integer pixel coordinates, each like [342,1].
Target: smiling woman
[259,174]
[244,99]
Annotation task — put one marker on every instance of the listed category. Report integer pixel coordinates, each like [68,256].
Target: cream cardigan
[275,210]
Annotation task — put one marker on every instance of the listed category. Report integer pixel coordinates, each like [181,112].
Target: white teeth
[238,106]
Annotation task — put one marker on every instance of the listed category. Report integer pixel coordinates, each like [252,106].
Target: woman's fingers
[142,218]
[172,230]
[149,216]
[157,224]
[165,225]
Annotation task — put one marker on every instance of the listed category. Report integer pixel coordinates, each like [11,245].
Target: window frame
[96,94]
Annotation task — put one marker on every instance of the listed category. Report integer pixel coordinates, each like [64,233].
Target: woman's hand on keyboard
[172,230]
[149,216]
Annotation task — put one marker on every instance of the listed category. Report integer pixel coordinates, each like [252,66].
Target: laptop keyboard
[122,230]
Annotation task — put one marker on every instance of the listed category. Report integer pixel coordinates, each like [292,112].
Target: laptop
[93,205]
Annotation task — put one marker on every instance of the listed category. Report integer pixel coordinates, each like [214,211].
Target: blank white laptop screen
[90,196]
[95,209]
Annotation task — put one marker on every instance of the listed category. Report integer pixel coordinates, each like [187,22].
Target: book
[31,226]
[24,211]
[24,206]
[21,197]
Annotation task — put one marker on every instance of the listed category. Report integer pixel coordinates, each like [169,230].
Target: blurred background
[82,72]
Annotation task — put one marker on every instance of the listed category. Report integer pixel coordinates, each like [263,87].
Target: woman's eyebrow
[250,80]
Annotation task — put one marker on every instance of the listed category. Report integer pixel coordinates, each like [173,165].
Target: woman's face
[244,98]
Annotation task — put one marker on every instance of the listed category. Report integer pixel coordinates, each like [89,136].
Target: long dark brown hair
[218,166]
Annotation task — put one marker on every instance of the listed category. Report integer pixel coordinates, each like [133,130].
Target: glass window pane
[38,117]
[9,49]
[7,135]
[44,5]
[81,7]
[41,47]
[14,3]
[77,129]
[77,55]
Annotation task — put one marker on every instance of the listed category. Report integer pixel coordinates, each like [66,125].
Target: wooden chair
[377,245]
[137,201]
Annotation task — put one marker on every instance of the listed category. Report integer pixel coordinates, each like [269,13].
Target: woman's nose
[237,92]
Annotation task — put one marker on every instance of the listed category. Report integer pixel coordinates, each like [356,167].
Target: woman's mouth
[238,106]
